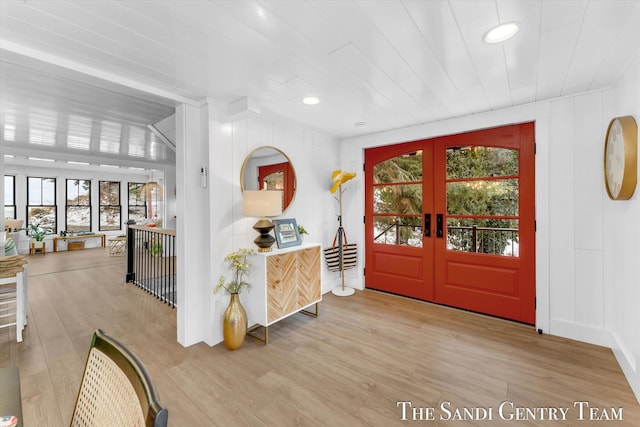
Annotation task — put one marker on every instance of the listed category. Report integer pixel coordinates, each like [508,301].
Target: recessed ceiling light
[310,100]
[360,124]
[501,33]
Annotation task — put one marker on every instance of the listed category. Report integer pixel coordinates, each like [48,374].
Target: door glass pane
[398,230]
[487,236]
[273,181]
[479,162]
[397,192]
[483,197]
[482,188]
[398,199]
[404,168]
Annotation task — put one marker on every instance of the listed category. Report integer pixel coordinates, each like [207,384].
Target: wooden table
[10,399]
[102,236]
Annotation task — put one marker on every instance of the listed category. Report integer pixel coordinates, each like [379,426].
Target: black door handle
[427,225]
[439,226]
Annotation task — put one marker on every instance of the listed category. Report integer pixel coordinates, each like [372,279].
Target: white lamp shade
[13,223]
[262,203]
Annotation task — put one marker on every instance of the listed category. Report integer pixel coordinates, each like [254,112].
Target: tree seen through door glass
[403,168]
[482,200]
[483,197]
[397,200]
[479,162]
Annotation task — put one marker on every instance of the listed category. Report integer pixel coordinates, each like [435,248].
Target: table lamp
[262,203]
[12,224]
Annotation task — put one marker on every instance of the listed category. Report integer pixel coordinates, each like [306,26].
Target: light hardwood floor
[350,366]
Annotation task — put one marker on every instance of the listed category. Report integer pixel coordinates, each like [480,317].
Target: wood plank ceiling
[389,63]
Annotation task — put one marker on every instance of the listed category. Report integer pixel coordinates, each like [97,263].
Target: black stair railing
[151,261]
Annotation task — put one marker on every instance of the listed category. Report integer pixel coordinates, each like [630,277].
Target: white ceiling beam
[95,72]
[63,153]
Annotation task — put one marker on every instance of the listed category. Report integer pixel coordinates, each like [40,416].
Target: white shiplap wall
[314,156]
[621,243]
[576,197]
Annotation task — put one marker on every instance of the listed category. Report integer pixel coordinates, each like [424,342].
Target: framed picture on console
[286,231]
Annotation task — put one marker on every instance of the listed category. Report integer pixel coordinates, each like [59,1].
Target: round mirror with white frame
[268,168]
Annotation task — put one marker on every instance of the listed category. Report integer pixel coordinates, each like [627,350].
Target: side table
[39,249]
[118,246]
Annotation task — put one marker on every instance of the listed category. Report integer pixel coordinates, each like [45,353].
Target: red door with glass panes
[452,220]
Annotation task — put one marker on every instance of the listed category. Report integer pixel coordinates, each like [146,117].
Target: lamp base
[265,240]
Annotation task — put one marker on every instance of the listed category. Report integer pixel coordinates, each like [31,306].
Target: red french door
[452,220]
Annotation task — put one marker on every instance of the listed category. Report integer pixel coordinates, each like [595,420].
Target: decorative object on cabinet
[339,178]
[284,282]
[262,204]
[287,233]
[302,231]
[621,158]
[234,323]
[268,168]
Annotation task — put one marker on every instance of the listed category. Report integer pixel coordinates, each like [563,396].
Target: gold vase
[234,323]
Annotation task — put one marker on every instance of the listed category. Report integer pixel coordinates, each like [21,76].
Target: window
[110,205]
[78,208]
[41,203]
[10,196]
[137,202]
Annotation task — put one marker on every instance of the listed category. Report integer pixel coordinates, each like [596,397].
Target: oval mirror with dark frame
[268,168]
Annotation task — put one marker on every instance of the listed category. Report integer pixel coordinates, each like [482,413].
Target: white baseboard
[633,376]
[625,352]
[628,364]
[605,338]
